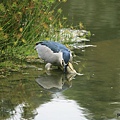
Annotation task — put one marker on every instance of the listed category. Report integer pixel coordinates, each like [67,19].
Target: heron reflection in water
[54,82]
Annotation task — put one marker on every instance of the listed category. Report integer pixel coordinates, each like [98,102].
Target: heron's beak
[65,68]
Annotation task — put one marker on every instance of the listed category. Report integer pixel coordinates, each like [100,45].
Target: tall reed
[23,22]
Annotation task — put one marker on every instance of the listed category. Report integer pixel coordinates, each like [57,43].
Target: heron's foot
[48,66]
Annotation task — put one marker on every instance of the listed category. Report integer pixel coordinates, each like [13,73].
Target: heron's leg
[48,66]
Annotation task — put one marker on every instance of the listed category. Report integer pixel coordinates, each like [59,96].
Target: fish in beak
[69,68]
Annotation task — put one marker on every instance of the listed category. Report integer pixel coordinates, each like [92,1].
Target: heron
[55,53]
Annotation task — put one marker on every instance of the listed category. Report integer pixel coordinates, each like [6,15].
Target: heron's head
[65,59]
[66,66]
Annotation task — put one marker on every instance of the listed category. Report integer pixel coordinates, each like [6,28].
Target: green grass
[22,24]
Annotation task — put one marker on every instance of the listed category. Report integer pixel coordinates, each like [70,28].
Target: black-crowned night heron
[54,53]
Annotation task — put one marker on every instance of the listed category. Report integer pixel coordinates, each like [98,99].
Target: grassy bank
[22,23]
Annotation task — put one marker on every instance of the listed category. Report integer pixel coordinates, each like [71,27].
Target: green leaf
[2,8]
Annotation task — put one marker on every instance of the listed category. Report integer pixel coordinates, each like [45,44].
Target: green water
[95,95]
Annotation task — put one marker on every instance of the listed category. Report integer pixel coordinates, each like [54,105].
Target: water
[95,95]
[101,17]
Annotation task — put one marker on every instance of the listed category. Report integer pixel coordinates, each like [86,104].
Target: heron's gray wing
[54,46]
[48,55]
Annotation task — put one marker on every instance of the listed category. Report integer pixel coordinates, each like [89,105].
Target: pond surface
[95,95]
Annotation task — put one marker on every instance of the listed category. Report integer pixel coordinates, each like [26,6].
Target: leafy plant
[22,22]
